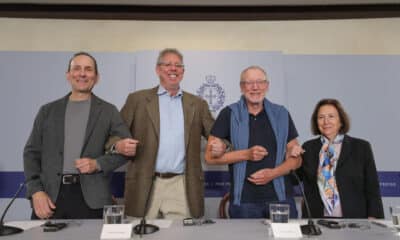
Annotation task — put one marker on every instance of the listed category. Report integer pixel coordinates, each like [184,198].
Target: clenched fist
[127,147]
[256,153]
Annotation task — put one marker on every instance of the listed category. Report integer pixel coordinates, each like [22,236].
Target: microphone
[310,228]
[8,230]
[143,227]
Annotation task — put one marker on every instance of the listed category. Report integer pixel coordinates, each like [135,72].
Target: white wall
[360,36]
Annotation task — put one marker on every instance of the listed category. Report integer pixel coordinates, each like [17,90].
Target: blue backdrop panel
[216,184]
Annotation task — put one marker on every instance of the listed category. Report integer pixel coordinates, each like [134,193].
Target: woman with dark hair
[338,171]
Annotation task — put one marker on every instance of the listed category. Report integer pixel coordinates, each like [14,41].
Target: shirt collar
[162,91]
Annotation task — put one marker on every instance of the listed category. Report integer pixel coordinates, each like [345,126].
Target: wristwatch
[113,149]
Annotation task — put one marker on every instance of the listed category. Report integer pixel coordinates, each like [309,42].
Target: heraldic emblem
[212,92]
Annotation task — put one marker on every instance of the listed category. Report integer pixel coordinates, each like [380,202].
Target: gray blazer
[43,152]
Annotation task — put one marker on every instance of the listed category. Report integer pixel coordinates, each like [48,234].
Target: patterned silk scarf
[328,156]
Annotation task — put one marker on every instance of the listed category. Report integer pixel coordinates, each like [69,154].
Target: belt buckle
[67,179]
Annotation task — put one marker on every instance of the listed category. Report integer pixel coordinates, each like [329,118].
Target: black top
[260,133]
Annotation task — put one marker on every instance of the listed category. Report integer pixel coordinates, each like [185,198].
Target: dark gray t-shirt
[76,118]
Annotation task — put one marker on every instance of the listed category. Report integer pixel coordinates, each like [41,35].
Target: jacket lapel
[60,122]
[152,109]
[345,151]
[95,110]
[188,115]
[315,164]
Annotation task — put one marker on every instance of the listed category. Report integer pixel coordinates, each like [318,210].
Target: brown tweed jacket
[141,114]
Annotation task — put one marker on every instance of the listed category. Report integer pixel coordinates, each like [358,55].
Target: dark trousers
[70,204]
[258,210]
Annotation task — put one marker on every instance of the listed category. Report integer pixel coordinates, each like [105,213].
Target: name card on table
[286,230]
[116,231]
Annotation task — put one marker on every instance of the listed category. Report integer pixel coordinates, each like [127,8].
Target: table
[223,229]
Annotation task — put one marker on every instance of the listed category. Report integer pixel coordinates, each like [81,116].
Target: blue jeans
[258,210]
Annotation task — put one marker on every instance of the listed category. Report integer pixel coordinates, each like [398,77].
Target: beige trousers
[169,199]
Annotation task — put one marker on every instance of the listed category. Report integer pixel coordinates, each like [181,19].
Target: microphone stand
[143,227]
[8,230]
[310,228]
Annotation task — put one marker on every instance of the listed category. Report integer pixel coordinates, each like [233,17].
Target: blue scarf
[279,119]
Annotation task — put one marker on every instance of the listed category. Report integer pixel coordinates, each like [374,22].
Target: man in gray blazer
[66,149]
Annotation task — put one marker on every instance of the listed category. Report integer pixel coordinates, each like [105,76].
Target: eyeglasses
[168,65]
[258,82]
[328,117]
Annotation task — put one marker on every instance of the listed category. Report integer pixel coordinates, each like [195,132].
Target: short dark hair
[169,51]
[83,54]
[343,116]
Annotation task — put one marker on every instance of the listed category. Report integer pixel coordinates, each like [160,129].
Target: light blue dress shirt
[171,151]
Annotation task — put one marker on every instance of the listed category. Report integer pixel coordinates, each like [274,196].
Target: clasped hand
[127,147]
[218,147]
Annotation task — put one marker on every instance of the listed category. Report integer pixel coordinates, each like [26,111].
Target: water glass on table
[395,213]
[279,213]
[113,214]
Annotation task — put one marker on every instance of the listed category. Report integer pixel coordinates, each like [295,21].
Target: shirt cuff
[98,167]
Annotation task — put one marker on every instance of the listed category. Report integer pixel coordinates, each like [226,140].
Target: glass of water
[113,214]
[395,212]
[279,213]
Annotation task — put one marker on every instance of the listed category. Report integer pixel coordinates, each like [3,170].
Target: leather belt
[166,175]
[70,178]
